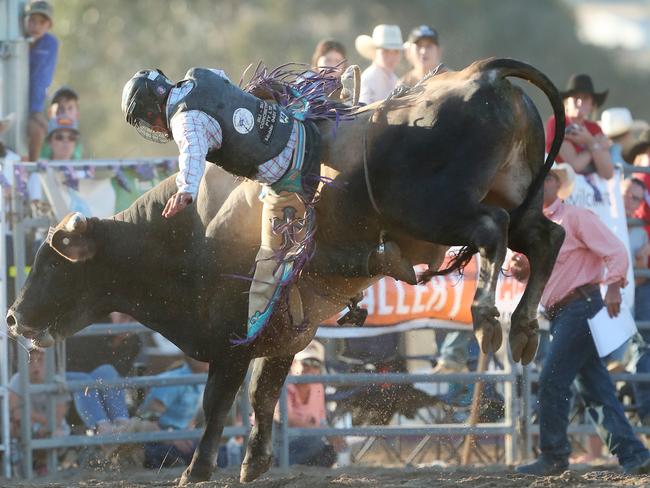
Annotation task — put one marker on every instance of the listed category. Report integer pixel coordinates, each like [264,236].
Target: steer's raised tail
[505,67]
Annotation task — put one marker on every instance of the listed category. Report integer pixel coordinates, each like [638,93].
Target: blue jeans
[641,348]
[572,356]
[95,406]
[163,455]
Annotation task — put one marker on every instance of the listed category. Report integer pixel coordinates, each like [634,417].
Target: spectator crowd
[587,193]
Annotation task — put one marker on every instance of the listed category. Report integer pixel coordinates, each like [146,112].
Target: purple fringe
[301,91]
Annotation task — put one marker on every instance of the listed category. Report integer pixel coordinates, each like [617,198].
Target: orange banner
[448,298]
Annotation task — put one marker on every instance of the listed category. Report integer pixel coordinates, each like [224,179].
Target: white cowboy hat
[6,121]
[616,121]
[314,350]
[567,177]
[383,37]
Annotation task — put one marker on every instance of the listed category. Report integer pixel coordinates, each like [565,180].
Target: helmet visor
[152,133]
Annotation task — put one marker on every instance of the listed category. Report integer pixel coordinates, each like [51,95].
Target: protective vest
[254,131]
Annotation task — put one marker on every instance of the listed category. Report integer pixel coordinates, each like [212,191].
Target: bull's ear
[72,246]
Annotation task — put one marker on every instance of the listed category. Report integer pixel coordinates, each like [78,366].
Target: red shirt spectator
[593,128]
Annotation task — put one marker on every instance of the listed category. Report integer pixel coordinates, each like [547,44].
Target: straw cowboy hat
[583,84]
[640,145]
[567,177]
[383,37]
[616,121]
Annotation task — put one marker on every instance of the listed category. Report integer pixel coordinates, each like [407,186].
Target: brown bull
[457,161]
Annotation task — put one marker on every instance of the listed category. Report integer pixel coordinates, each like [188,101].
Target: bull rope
[366,172]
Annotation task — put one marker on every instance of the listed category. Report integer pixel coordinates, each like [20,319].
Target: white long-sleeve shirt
[196,133]
[376,84]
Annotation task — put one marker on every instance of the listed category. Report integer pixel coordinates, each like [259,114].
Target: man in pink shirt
[590,255]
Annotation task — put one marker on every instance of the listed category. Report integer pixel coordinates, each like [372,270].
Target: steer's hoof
[523,345]
[254,468]
[194,476]
[487,328]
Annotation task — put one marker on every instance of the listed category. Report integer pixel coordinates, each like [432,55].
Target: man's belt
[584,291]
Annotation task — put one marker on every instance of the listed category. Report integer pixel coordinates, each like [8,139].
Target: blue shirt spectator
[181,402]
[176,408]
[42,62]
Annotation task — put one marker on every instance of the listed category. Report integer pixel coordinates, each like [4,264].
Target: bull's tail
[505,67]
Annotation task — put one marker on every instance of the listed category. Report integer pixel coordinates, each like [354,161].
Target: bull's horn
[76,223]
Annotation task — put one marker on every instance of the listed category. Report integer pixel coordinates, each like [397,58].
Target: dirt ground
[363,476]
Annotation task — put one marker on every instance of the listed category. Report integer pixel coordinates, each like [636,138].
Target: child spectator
[65,103]
[42,62]
[173,408]
[384,49]
[423,51]
[306,408]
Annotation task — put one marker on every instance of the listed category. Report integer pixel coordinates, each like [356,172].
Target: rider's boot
[283,234]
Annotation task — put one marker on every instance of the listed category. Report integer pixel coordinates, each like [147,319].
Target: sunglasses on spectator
[65,137]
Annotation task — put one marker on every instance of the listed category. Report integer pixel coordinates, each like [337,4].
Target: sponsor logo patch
[267,115]
[243,121]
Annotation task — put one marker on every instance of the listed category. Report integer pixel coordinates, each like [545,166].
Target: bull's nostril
[11,320]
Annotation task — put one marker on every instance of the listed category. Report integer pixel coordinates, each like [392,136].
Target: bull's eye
[66,241]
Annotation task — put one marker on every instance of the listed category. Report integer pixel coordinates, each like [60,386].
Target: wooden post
[474,411]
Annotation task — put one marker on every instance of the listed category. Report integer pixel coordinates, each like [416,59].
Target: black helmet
[143,104]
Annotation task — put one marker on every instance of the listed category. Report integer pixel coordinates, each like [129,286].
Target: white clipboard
[610,333]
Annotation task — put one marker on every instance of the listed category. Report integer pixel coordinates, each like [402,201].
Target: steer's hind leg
[264,390]
[540,240]
[482,227]
[224,379]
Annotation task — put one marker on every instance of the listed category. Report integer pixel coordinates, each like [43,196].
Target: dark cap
[40,7]
[423,32]
[64,92]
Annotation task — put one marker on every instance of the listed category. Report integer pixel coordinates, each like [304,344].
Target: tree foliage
[104,43]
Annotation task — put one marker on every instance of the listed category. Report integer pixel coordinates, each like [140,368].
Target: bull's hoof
[487,328]
[251,469]
[524,342]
